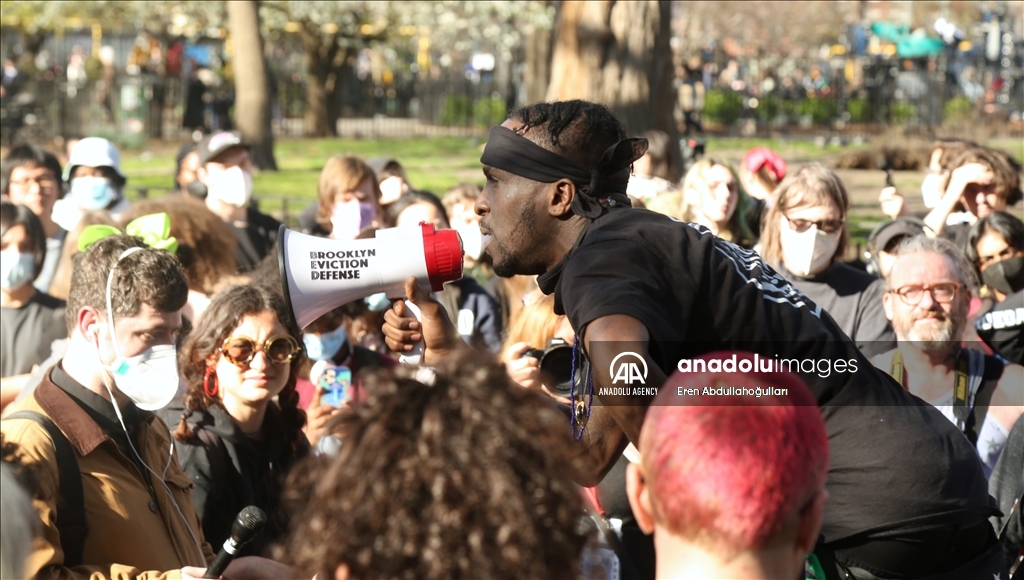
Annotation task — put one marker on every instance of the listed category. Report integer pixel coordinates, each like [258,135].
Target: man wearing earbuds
[134,513]
[225,167]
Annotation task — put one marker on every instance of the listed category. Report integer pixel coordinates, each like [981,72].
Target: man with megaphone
[630,280]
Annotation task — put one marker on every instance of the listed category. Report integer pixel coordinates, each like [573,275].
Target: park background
[856,84]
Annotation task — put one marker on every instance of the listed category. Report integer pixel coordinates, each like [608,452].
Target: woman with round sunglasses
[805,237]
[239,428]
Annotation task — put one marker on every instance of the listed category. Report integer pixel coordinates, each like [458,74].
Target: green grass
[434,164]
[439,163]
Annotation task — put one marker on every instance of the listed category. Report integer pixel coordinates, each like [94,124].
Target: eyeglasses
[827,226]
[240,350]
[941,293]
[44,182]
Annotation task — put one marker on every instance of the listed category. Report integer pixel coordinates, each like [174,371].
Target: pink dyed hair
[727,472]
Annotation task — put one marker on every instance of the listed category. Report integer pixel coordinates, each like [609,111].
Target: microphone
[250,521]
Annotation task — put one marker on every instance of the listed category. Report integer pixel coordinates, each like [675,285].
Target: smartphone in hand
[335,384]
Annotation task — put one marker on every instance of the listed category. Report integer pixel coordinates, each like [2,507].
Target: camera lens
[557,364]
[534,353]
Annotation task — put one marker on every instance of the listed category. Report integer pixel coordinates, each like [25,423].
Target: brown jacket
[126,538]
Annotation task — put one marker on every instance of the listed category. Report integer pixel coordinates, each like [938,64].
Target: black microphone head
[248,523]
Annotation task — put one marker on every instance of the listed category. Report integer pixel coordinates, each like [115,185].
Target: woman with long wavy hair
[239,428]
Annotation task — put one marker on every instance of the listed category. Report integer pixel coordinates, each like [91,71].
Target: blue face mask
[325,346]
[377,302]
[92,193]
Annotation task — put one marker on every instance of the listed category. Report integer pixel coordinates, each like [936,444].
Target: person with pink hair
[731,486]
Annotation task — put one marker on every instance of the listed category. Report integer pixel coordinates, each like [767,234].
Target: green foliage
[900,113]
[822,109]
[768,108]
[489,112]
[461,110]
[93,68]
[456,110]
[957,110]
[860,110]
[724,107]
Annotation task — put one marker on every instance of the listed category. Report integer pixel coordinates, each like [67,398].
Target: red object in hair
[758,157]
[442,250]
[210,373]
[730,469]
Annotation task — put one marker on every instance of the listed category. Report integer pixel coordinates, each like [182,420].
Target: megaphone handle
[414,356]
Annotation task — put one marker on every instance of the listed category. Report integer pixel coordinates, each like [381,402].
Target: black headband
[510,151]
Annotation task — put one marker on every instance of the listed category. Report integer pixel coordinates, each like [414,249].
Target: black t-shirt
[1002,328]
[255,240]
[27,332]
[896,464]
[958,234]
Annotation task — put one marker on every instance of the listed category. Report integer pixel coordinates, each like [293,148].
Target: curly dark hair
[148,276]
[221,317]
[464,478]
[578,130]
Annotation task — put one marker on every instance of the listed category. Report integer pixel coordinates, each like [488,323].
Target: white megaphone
[320,274]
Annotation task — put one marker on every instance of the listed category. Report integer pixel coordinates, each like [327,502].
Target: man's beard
[937,336]
[512,263]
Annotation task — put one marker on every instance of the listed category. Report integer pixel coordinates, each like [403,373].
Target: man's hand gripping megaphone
[403,332]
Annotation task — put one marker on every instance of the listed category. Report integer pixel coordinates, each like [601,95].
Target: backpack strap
[992,372]
[70,499]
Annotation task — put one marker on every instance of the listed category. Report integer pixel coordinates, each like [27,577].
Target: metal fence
[134,108]
[863,94]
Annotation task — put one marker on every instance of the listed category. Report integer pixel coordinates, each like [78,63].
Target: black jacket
[231,471]
[255,240]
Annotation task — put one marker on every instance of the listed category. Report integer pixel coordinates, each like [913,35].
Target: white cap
[94,152]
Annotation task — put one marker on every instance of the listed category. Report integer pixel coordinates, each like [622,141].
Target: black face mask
[1007,275]
[196,189]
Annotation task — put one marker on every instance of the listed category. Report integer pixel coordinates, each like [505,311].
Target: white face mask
[350,217]
[16,269]
[378,302]
[232,186]
[325,346]
[809,252]
[150,378]
[92,193]
[472,239]
[391,189]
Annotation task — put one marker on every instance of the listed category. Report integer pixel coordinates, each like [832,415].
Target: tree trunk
[617,53]
[314,119]
[317,120]
[538,64]
[252,101]
[340,73]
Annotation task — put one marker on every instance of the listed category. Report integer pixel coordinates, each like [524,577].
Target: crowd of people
[155,381]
